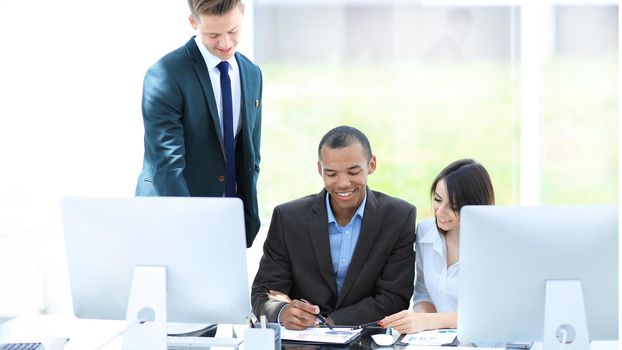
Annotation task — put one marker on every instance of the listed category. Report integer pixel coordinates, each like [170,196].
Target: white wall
[70,88]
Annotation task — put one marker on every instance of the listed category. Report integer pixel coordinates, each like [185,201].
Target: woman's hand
[407,322]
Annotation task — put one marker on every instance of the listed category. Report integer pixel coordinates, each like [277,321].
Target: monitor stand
[146,314]
[146,310]
[565,325]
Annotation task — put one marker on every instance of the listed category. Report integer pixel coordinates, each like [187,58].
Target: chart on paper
[321,335]
[432,337]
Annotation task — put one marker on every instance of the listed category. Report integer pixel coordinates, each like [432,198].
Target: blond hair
[212,7]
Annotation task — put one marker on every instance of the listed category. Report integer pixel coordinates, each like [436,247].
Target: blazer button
[221,178]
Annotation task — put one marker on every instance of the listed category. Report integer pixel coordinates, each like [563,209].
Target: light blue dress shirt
[343,240]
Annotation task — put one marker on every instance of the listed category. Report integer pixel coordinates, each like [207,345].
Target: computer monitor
[507,255]
[182,258]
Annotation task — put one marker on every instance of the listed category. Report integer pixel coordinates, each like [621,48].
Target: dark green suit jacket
[183,140]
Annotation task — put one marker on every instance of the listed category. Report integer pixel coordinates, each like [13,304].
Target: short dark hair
[212,7]
[468,183]
[344,136]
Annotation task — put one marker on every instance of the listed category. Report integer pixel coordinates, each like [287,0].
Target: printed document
[321,335]
[433,337]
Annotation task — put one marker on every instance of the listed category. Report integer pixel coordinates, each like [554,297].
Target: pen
[370,325]
[264,321]
[319,316]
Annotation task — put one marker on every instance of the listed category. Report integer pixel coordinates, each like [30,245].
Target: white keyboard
[178,343]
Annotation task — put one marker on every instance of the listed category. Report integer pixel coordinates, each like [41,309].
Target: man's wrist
[278,316]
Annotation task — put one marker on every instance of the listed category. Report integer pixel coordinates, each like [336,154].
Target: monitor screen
[199,241]
[507,253]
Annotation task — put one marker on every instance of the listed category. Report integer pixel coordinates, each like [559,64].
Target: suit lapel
[370,228]
[318,228]
[202,74]
[245,105]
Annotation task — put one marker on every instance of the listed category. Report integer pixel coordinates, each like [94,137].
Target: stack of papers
[435,339]
[429,338]
[321,335]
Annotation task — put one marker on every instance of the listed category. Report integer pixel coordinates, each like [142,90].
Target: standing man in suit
[202,114]
[347,251]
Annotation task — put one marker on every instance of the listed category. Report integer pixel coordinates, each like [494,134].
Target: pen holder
[263,338]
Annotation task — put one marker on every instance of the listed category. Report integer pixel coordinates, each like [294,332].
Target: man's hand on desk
[297,319]
[299,315]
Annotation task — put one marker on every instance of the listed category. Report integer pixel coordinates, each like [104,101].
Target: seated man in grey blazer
[346,253]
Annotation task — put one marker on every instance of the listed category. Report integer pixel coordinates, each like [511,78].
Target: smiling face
[446,218]
[344,171]
[219,33]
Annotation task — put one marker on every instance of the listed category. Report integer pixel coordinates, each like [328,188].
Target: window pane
[580,133]
[428,85]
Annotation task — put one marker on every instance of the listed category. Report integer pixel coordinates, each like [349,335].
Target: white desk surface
[88,334]
[595,345]
[82,334]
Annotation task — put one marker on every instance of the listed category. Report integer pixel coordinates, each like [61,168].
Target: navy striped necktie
[227,123]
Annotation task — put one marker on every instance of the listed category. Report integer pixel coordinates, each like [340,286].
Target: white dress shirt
[214,74]
[434,281]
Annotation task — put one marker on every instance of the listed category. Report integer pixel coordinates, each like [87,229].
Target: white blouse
[434,282]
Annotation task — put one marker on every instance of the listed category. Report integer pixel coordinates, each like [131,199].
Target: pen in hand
[278,296]
[375,324]
[319,316]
